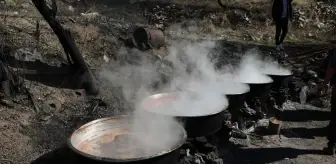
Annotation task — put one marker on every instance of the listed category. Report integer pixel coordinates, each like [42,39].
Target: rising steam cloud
[192,71]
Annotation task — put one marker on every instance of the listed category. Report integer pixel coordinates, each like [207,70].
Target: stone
[218,161]
[186,160]
[211,156]
[7,102]
[201,139]
[199,158]
[209,147]
[183,152]
[25,5]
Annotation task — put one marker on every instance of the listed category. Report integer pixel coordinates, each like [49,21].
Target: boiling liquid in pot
[121,146]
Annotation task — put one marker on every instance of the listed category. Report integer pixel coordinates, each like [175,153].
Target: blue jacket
[278,8]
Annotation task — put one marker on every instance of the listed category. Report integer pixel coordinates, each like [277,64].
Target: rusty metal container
[153,37]
[274,125]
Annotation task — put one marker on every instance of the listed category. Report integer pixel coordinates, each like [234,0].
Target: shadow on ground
[64,155]
[268,155]
[60,155]
[49,133]
[60,77]
[309,133]
[305,115]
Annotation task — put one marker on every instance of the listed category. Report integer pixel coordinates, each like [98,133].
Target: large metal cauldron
[89,141]
[280,81]
[257,97]
[258,90]
[236,95]
[195,125]
[237,98]
[279,92]
[258,87]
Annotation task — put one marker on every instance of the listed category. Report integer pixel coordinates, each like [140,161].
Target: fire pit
[280,77]
[259,88]
[112,140]
[280,84]
[236,94]
[197,122]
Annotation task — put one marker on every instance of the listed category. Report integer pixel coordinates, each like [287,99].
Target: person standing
[330,78]
[282,12]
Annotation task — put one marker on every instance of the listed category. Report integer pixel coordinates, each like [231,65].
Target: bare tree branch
[68,43]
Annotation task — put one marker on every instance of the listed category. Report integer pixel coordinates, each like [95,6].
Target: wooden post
[68,43]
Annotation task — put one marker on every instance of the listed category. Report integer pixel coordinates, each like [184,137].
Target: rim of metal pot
[105,159]
[241,93]
[233,82]
[270,82]
[175,93]
[273,74]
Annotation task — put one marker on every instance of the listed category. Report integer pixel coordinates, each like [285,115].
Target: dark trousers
[332,123]
[281,28]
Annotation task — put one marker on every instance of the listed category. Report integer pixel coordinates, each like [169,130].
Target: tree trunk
[68,43]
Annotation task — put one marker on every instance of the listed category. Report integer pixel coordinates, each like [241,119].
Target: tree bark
[68,43]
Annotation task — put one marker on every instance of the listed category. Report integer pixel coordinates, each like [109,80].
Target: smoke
[204,89]
[156,128]
[249,70]
[196,73]
[152,133]
[254,69]
[135,73]
[271,67]
[266,65]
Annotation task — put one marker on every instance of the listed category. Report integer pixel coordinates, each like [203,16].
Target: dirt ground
[29,129]
[301,140]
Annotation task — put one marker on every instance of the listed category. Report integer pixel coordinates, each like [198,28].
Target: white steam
[232,88]
[249,70]
[193,66]
[253,69]
[154,134]
[199,90]
[158,129]
[266,65]
[272,67]
[189,104]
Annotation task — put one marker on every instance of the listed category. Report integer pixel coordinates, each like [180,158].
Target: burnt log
[70,48]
